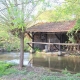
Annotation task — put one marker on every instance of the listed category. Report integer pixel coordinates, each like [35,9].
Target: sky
[61,0]
[55,2]
[34,12]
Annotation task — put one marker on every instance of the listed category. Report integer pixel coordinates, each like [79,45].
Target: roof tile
[52,27]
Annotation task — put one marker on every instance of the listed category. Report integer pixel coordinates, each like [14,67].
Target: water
[14,57]
[54,63]
[57,63]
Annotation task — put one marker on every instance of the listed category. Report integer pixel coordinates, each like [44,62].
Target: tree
[73,7]
[68,10]
[17,16]
[57,13]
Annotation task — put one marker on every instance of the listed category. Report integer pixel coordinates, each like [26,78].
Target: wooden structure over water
[52,36]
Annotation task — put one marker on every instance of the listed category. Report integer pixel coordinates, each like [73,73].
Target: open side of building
[52,36]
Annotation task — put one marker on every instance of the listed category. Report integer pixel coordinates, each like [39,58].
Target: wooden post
[32,49]
[59,53]
[32,39]
[49,45]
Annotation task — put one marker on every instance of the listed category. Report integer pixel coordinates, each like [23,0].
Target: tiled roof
[52,27]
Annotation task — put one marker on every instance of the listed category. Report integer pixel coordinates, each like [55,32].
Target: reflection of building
[49,35]
[57,63]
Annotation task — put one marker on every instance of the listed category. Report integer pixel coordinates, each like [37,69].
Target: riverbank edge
[38,73]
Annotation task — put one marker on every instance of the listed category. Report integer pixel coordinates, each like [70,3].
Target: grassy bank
[10,72]
[5,68]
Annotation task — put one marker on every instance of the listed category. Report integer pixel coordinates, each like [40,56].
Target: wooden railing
[62,46]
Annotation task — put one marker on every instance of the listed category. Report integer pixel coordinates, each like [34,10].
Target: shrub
[36,49]
[4,68]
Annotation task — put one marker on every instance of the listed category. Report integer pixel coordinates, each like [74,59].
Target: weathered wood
[67,46]
[30,45]
[32,39]
[29,35]
[56,47]
[49,45]
[57,36]
[54,43]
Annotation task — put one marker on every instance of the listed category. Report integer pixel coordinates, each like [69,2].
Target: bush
[36,49]
[13,44]
[65,71]
[8,42]
[4,68]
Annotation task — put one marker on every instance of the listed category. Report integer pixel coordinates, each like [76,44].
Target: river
[54,63]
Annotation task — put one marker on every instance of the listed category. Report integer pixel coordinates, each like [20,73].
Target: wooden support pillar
[59,53]
[49,45]
[29,35]
[57,36]
[32,49]
[29,45]
[32,41]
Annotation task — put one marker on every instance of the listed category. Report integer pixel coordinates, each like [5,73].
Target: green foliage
[26,47]
[17,15]
[13,44]
[60,13]
[73,8]
[58,78]
[36,49]
[74,31]
[77,75]
[8,42]
[65,71]
[4,68]
[7,69]
[77,26]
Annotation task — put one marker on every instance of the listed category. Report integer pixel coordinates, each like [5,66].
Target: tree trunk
[21,50]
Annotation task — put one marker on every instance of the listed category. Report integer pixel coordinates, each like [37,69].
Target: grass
[46,77]
[58,78]
[7,69]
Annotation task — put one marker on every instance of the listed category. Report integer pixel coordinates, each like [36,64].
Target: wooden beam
[54,43]
[56,47]
[57,36]
[33,38]
[49,45]
[29,35]
[30,45]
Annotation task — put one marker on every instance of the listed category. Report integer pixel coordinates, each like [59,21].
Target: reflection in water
[54,63]
[58,63]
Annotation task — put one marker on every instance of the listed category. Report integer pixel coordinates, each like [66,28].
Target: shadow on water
[54,63]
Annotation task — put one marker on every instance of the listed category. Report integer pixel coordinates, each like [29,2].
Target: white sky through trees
[52,4]
[55,2]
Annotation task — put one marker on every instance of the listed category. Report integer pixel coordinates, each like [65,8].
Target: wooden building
[50,36]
